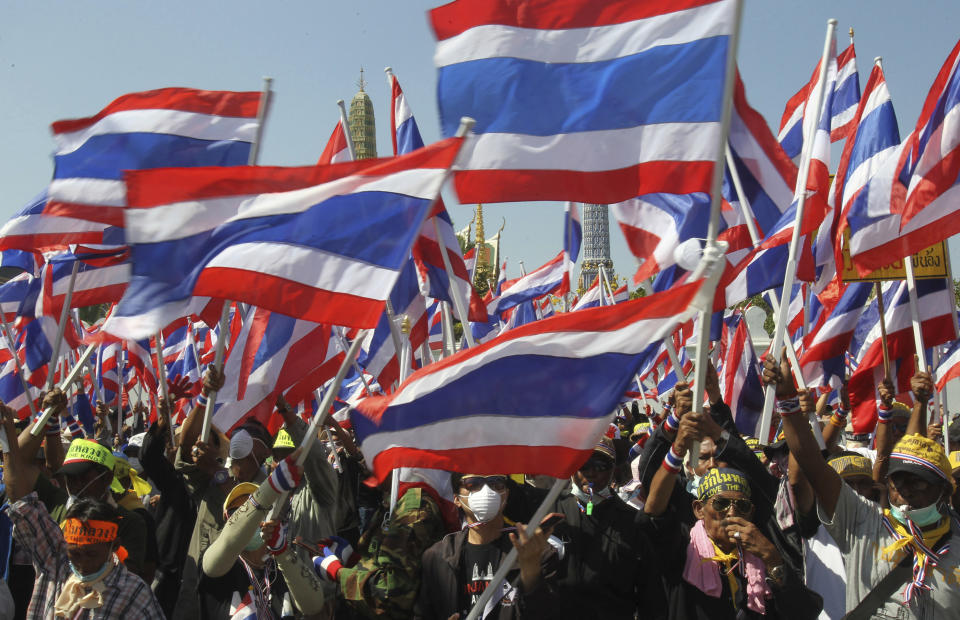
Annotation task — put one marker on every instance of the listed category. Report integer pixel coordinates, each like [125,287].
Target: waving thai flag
[541,281]
[949,367]
[913,196]
[445,417]
[428,249]
[830,337]
[739,374]
[545,82]
[31,230]
[324,244]
[590,297]
[935,301]
[846,95]
[337,149]
[572,237]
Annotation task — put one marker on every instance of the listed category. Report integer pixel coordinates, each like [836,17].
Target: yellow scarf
[726,560]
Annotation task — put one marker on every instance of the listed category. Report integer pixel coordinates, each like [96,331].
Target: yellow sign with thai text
[928,264]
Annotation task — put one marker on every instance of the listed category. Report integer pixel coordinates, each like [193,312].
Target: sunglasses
[593,464]
[740,506]
[475,483]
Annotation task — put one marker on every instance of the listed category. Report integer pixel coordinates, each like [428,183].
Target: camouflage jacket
[385,581]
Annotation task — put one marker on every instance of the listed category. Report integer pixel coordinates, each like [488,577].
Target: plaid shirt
[126,595]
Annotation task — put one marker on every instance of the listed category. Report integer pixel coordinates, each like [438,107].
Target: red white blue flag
[545,81]
[446,417]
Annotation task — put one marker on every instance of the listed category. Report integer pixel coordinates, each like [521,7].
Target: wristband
[838,420]
[884,413]
[672,423]
[788,406]
[672,462]
[201,400]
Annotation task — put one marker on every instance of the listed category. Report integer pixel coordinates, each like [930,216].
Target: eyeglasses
[740,506]
[475,483]
[597,464]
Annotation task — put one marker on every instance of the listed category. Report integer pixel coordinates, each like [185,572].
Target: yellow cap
[242,489]
[955,460]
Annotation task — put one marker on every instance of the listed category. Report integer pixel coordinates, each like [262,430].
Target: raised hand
[779,375]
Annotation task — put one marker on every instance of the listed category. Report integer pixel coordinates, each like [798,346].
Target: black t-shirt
[480,562]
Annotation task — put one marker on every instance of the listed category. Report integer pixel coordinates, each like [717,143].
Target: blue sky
[67,60]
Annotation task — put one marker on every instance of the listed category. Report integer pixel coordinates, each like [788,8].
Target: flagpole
[41,422]
[506,565]
[800,192]
[162,380]
[451,289]
[711,250]
[61,327]
[771,296]
[936,394]
[16,361]
[404,359]
[915,314]
[118,356]
[225,314]
[346,128]
[342,340]
[322,413]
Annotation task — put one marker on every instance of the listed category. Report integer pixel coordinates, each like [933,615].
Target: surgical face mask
[923,517]
[693,483]
[73,497]
[484,504]
[92,576]
[255,542]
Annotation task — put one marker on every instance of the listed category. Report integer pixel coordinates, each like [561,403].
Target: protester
[900,559]
[461,567]
[80,565]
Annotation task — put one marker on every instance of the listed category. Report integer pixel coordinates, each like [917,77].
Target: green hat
[283,440]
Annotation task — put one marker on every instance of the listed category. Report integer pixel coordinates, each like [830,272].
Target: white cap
[241,445]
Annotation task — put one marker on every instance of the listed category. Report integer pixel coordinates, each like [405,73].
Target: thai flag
[446,417]
[846,95]
[337,149]
[949,367]
[830,337]
[186,365]
[379,355]
[31,230]
[572,238]
[917,189]
[11,390]
[108,376]
[545,307]
[470,259]
[101,278]
[325,244]
[874,139]
[621,294]
[427,249]
[21,259]
[169,127]
[739,374]
[37,322]
[140,357]
[12,294]
[546,82]
[545,279]
[521,314]
[590,297]
[272,353]
[762,270]
[935,302]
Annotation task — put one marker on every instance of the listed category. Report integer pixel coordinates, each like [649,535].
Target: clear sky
[63,60]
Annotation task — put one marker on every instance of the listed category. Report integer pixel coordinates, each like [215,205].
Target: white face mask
[72,498]
[484,504]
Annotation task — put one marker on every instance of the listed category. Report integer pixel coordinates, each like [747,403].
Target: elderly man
[902,561]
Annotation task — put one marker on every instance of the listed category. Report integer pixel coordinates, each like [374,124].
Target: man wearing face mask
[902,561]
[459,567]
[80,570]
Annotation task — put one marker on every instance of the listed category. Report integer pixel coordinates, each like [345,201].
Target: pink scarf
[705,575]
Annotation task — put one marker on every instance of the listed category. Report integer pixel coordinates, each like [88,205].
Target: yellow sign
[927,264]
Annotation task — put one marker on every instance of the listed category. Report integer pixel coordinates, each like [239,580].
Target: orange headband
[77,532]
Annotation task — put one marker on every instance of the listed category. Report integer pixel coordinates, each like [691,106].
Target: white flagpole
[915,314]
[451,287]
[801,194]
[225,315]
[62,325]
[747,212]
[162,380]
[346,129]
[38,426]
[404,360]
[712,251]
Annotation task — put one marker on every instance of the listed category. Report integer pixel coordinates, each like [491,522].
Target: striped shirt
[126,595]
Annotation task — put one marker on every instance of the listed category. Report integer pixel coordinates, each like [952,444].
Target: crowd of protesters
[675,514]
